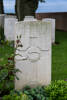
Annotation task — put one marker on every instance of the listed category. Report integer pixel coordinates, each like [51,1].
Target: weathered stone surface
[29,18]
[2,16]
[53,27]
[10,16]
[9,27]
[34,58]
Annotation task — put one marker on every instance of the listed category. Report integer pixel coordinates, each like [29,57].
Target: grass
[59,56]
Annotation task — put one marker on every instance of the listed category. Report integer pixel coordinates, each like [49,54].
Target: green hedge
[15,95]
[7,76]
[57,90]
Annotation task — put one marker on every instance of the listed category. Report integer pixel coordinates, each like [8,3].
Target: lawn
[59,56]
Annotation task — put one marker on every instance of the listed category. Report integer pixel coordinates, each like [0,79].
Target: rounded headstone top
[48,19]
[2,14]
[10,16]
[29,18]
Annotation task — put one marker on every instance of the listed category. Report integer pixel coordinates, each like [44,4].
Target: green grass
[59,57]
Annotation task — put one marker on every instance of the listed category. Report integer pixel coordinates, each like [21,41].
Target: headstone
[53,27]
[9,27]
[29,18]
[33,58]
[10,16]
[2,20]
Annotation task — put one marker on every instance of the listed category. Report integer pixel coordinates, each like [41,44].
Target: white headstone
[29,18]
[10,16]
[2,20]
[34,58]
[9,27]
[53,27]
